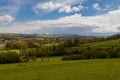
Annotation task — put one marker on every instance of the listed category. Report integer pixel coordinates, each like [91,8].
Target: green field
[103,44]
[15,50]
[55,69]
[100,69]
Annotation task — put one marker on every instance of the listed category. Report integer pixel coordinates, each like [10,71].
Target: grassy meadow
[99,69]
[103,44]
[56,69]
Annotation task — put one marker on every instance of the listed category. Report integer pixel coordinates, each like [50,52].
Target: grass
[55,69]
[100,69]
[15,50]
[103,44]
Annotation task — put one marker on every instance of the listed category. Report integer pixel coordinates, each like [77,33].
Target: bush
[31,54]
[102,55]
[39,52]
[88,54]
[75,57]
[114,53]
[9,57]
[72,50]
[71,57]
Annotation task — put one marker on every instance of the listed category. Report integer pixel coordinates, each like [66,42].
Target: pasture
[98,69]
[56,69]
[102,44]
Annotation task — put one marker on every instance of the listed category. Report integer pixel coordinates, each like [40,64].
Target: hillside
[108,69]
[103,44]
[57,69]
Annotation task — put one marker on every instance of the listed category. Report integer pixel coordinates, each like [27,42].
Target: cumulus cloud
[6,19]
[47,6]
[96,6]
[71,9]
[65,6]
[75,24]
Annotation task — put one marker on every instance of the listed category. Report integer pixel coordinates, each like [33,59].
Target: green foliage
[102,55]
[9,57]
[13,44]
[71,43]
[93,53]
[71,57]
[71,48]
[43,51]
[114,53]
[40,52]
[30,55]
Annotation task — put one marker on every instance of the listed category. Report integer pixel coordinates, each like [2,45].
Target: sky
[82,17]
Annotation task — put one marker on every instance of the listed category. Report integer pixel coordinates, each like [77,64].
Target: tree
[22,45]
[9,57]
[31,54]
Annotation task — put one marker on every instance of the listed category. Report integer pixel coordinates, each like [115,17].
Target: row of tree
[92,53]
[9,57]
[69,49]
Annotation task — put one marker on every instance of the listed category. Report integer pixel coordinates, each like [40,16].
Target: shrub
[30,54]
[9,57]
[75,57]
[71,57]
[89,53]
[102,54]
[114,53]
[39,52]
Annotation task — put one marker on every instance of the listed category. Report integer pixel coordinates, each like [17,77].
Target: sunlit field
[99,69]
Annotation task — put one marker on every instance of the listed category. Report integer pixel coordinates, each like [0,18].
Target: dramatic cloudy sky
[83,17]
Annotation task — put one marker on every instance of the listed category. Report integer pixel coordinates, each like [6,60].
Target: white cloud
[96,6]
[118,7]
[105,24]
[6,19]
[65,6]
[107,6]
[65,9]
[71,9]
[47,6]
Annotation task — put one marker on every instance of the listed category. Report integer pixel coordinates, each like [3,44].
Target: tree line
[69,49]
[92,53]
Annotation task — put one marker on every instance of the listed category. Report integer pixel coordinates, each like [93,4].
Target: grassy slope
[100,69]
[115,43]
[108,69]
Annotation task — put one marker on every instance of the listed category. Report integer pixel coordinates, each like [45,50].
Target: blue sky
[83,17]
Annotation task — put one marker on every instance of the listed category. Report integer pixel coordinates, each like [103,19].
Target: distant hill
[69,36]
